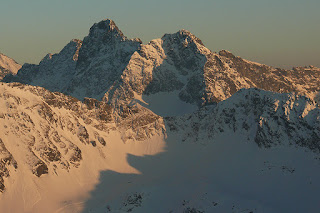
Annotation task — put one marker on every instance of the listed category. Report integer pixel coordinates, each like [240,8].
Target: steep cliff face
[8,66]
[102,58]
[54,72]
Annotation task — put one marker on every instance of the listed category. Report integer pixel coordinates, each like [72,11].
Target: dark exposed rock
[133,201]
[51,154]
[40,169]
[101,140]
[76,156]
[192,210]
[93,143]
[83,134]
[6,160]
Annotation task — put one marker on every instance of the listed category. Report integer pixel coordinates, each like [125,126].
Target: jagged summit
[182,34]
[104,29]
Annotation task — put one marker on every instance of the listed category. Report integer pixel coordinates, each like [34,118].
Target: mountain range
[109,124]
[107,65]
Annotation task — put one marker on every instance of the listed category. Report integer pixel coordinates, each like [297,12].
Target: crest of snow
[255,63]
[9,64]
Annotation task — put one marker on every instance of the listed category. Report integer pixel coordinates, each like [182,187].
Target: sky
[280,33]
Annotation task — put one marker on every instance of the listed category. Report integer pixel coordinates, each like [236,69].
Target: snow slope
[52,144]
[8,66]
[228,174]
[257,151]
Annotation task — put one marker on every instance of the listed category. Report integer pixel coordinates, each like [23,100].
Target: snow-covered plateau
[113,125]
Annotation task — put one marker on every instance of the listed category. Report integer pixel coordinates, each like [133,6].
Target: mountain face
[112,125]
[88,68]
[54,72]
[8,66]
[102,58]
[53,139]
[47,131]
[181,63]
[108,66]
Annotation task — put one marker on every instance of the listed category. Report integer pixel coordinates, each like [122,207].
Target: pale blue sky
[281,33]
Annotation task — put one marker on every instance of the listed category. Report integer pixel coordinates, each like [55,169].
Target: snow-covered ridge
[266,118]
[8,66]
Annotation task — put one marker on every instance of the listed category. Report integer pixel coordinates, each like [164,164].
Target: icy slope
[8,66]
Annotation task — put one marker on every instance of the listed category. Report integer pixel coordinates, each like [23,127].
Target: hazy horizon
[277,33]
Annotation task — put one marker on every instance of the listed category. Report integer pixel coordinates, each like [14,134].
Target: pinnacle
[104,27]
[183,34]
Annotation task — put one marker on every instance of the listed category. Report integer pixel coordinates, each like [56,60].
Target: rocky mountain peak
[105,29]
[105,37]
[183,36]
